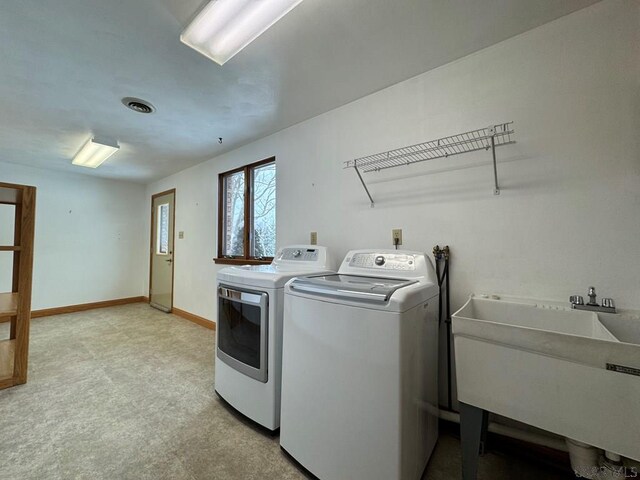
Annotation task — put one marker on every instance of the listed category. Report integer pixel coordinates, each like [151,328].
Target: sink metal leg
[473,432]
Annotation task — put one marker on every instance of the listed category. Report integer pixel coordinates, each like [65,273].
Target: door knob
[169,260]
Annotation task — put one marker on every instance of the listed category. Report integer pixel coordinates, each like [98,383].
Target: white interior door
[162,220]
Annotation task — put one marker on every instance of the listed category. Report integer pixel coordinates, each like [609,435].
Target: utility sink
[574,373]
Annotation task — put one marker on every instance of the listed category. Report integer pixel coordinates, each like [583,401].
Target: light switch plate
[314,238]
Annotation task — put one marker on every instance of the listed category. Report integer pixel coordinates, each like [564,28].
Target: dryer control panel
[298,254]
[382,261]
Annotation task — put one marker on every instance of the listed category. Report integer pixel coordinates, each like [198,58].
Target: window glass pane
[233,215]
[263,211]
[163,229]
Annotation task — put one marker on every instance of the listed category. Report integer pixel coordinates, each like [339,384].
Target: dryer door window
[243,320]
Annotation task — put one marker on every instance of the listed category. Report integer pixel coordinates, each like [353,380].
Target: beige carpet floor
[127,393]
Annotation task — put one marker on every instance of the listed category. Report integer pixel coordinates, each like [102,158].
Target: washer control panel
[383,261]
[299,254]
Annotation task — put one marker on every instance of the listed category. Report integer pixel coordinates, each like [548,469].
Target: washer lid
[351,287]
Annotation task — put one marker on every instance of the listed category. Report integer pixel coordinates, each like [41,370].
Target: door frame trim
[173,240]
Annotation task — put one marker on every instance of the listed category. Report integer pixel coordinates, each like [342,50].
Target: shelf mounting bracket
[364,185]
[492,132]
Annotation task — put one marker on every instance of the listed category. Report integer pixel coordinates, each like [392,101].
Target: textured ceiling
[65,65]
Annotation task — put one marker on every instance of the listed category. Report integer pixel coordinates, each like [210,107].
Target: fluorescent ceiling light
[94,152]
[224,27]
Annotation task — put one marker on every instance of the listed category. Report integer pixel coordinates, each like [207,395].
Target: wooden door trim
[173,240]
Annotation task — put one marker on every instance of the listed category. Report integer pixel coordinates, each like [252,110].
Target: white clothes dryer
[249,330]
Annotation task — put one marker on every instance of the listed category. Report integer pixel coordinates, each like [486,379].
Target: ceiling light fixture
[224,27]
[94,153]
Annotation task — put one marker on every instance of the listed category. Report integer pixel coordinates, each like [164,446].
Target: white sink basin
[624,326]
[546,365]
[533,314]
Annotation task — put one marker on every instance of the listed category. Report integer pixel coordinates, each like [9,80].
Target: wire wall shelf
[481,139]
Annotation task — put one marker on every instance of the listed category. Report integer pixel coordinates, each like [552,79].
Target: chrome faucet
[592,297]
[577,302]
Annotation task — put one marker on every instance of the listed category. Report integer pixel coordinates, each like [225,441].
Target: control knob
[297,253]
[379,260]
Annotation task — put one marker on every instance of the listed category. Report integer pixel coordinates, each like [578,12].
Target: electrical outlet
[314,238]
[181,235]
[396,236]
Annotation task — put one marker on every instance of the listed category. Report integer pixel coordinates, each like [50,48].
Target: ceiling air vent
[138,105]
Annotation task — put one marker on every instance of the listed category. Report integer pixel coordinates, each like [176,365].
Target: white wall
[567,217]
[89,240]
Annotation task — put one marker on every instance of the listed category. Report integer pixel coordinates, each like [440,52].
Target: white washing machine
[249,330]
[360,368]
